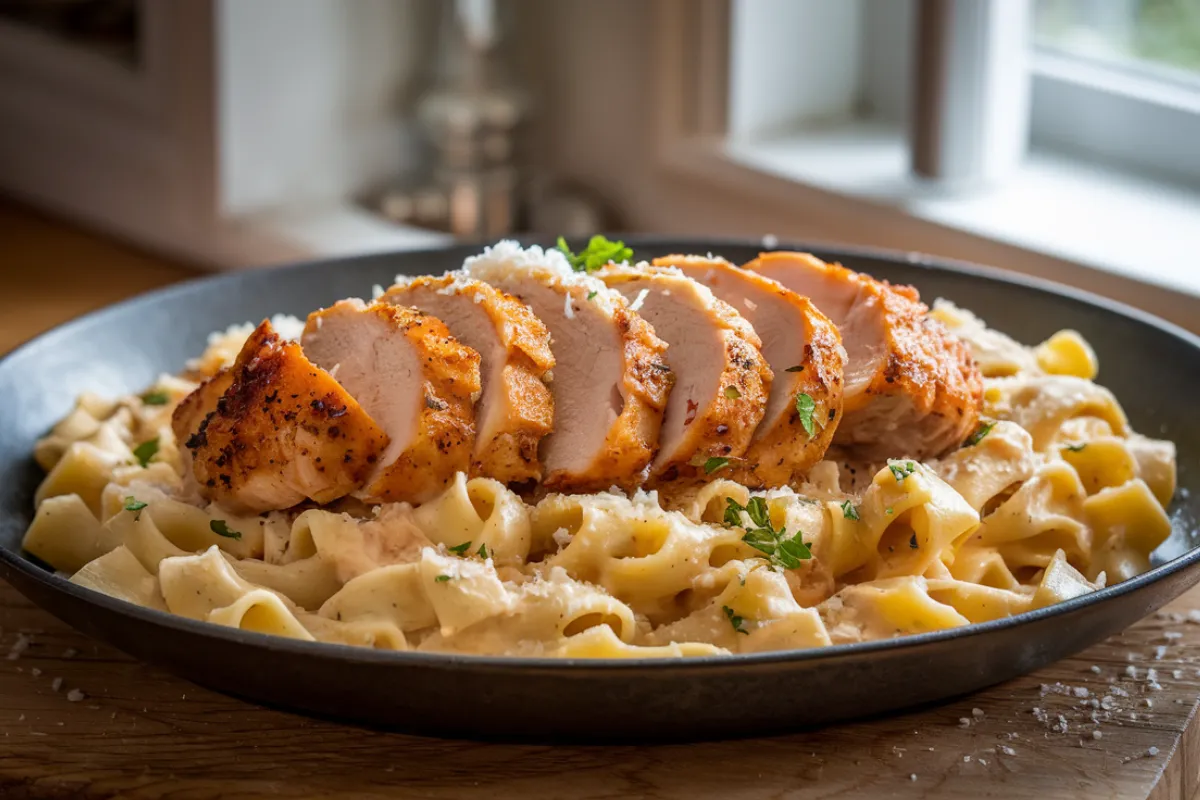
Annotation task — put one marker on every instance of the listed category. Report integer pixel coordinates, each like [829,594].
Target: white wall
[334,76]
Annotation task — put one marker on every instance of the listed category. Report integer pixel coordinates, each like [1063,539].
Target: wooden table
[80,719]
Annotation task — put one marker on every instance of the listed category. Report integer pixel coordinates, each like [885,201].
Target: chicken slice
[610,382]
[721,378]
[283,431]
[515,409]
[415,379]
[193,409]
[805,353]
[912,388]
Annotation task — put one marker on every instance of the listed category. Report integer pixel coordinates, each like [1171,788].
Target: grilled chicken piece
[193,409]
[283,432]
[415,379]
[610,380]
[912,389]
[721,378]
[805,353]
[516,408]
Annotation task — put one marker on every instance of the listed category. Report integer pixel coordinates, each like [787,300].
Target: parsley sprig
[762,536]
[134,505]
[146,451]
[156,397]
[221,528]
[600,251]
[902,470]
[805,406]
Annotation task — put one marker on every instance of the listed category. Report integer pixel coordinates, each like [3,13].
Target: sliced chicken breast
[912,388]
[722,380]
[805,354]
[193,409]
[283,431]
[415,379]
[515,409]
[610,381]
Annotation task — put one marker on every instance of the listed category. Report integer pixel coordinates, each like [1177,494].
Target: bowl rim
[14,561]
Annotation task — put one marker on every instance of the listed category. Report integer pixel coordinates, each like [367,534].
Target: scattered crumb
[56,684]
[1097,735]
[70,652]
[912,777]
[1094,669]
[1149,703]
[1176,674]
[963,722]
[1008,751]
[21,718]
[966,759]
[1159,652]
[977,713]
[1172,636]
[18,647]
[75,695]
[1131,672]
[1152,751]
[1081,691]
[982,762]
[35,672]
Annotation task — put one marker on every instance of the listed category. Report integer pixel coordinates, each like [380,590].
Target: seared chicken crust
[516,408]
[283,431]
[416,380]
[912,388]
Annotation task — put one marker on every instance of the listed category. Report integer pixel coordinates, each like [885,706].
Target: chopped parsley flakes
[442,578]
[715,463]
[600,251]
[146,451]
[460,549]
[482,552]
[805,407]
[735,620]
[762,536]
[902,470]
[983,430]
[134,505]
[219,527]
[156,397]
[849,511]
[797,368]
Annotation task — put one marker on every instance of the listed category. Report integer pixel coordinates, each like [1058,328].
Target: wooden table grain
[79,719]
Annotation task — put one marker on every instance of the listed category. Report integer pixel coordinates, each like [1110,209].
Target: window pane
[1156,33]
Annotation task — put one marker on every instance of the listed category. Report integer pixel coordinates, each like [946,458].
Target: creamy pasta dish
[549,453]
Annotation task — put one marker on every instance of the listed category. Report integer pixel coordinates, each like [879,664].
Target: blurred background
[143,141]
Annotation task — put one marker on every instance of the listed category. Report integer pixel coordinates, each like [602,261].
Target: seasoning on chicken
[415,379]
[721,378]
[193,409]
[610,380]
[515,409]
[912,389]
[805,354]
[284,431]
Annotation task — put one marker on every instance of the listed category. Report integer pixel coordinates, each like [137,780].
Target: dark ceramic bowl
[1153,368]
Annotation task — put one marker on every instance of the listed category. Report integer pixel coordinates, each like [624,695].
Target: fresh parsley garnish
[797,368]
[134,505]
[219,527]
[849,511]
[732,393]
[889,510]
[805,407]
[1075,448]
[735,620]
[482,552]
[902,470]
[146,451]
[715,463]
[460,549]
[983,430]
[442,578]
[913,542]
[592,294]
[156,397]
[600,251]
[762,535]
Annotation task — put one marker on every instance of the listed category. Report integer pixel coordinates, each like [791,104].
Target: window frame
[1117,115]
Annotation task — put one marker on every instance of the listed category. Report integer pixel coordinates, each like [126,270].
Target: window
[1119,81]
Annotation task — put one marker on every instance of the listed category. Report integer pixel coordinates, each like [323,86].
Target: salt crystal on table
[1097,735]
[75,695]
[70,652]
[56,684]
[1095,669]
[35,672]
[1131,671]
[1152,751]
[963,722]
[1171,636]
[1159,652]
[977,713]
[1176,674]
[1081,691]
[912,777]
